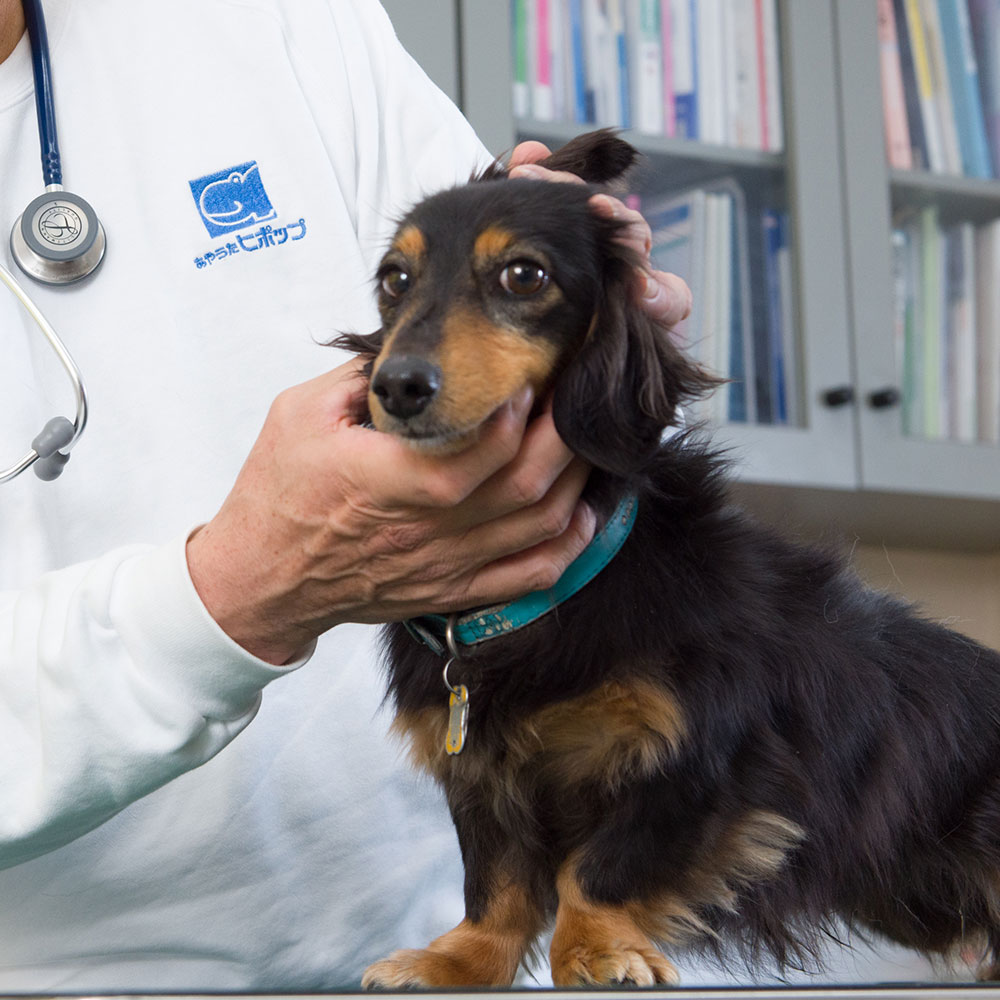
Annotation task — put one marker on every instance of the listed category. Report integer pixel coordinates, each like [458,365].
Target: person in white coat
[226,517]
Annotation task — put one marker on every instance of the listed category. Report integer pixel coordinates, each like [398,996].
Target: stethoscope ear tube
[45,108]
[50,448]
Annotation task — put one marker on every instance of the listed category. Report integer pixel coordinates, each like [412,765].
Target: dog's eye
[523,277]
[395,282]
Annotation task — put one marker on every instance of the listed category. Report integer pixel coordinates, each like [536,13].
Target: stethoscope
[57,239]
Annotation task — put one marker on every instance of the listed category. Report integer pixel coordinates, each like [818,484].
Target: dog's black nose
[404,386]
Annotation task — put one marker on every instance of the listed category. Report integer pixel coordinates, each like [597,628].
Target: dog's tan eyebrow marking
[410,242]
[493,241]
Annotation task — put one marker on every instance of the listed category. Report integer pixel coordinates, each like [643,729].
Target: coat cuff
[176,643]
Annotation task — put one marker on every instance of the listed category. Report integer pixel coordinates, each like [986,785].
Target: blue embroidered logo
[232,199]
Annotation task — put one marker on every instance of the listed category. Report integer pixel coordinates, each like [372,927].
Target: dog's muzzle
[405,386]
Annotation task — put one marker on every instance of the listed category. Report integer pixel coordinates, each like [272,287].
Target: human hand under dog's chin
[330,521]
[664,297]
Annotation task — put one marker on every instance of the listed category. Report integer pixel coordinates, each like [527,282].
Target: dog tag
[458,719]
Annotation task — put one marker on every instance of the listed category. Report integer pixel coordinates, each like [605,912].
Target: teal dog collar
[473,627]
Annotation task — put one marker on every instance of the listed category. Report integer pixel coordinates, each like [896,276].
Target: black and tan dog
[724,740]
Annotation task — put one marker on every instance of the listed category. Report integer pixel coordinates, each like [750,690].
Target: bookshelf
[895,456]
[844,465]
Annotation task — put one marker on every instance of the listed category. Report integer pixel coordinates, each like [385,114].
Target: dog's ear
[364,345]
[597,157]
[623,388]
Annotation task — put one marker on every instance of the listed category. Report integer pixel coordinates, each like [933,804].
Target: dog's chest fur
[620,730]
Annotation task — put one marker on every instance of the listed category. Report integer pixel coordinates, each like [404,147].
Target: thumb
[345,390]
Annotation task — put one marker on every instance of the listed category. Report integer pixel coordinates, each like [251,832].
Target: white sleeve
[114,679]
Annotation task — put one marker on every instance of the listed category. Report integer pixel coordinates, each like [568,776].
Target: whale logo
[232,199]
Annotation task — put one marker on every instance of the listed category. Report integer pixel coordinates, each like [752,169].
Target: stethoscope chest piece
[58,238]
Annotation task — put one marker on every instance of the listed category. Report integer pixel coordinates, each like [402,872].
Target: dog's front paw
[594,965]
[415,968]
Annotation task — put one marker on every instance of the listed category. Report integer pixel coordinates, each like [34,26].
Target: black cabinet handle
[839,395]
[883,398]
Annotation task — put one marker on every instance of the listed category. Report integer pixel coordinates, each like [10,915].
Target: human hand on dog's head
[664,297]
[331,521]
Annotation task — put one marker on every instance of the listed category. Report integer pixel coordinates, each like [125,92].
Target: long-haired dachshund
[723,739]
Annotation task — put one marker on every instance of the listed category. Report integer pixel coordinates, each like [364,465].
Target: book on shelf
[777,341]
[744,114]
[903,325]
[941,93]
[737,260]
[907,83]
[667,123]
[706,70]
[543,54]
[520,57]
[683,81]
[678,230]
[602,67]
[769,74]
[963,74]
[988,332]
[710,79]
[958,392]
[984,18]
[931,314]
[582,102]
[941,84]
[897,128]
[946,321]
[922,84]
[645,59]
[907,327]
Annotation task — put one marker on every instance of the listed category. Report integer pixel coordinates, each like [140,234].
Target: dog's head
[504,283]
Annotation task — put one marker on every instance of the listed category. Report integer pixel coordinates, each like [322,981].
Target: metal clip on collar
[458,699]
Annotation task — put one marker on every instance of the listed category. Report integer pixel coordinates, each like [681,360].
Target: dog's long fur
[725,739]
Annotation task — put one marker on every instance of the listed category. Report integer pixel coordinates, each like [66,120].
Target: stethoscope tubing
[52,264]
[68,364]
[44,101]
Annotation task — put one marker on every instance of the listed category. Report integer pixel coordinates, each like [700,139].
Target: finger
[536,172]
[541,459]
[530,151]
[347,388]
[528,526]
[635,233]
[339,394]
[664,297]
[536,568]
[450,562]
[400,475]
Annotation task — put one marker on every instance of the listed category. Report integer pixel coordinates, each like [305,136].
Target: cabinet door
[916,441]
[812,441]
[821,450]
